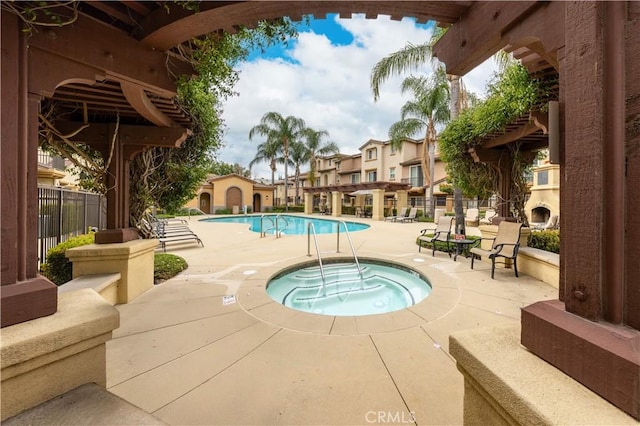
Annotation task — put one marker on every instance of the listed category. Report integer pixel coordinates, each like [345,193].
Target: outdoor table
[461,246]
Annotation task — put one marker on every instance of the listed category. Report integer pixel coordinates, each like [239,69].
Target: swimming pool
[291,224]
[379,287]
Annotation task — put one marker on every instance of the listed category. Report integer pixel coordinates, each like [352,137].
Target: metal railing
[312,230]
[353,251]
[63,214]
[274,225]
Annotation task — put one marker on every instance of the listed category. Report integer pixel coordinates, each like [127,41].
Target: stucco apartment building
[376,161]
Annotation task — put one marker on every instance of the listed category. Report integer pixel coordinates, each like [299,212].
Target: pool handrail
[286,225]
[353,251]
[263,232]
[312,229]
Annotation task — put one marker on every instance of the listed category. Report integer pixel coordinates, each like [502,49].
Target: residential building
[544,199]
[234,193]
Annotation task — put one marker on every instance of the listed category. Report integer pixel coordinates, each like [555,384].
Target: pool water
[384,287]
[291,225]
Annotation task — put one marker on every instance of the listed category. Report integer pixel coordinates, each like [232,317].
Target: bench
[106,285]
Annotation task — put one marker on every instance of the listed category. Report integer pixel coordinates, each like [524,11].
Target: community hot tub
[344,288]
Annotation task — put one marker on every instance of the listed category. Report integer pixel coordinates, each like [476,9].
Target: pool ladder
[311,230]
[274,225]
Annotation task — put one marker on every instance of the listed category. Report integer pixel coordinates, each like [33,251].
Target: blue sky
[323,78]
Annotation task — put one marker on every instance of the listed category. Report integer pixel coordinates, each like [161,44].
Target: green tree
[281,130]
[313,140]
[429,108]
[221,168]
[512,93]
[168,177]
[413,57]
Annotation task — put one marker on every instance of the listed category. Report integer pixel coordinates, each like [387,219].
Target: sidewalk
[185,357]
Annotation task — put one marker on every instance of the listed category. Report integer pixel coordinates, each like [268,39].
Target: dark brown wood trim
[27,300]
[602,356]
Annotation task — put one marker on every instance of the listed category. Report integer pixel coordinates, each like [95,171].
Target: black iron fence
[63,214]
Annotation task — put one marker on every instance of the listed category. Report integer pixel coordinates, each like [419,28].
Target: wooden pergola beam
[479,34]
[111,52]
[100,133]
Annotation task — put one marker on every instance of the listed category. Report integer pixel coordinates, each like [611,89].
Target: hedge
[57,267]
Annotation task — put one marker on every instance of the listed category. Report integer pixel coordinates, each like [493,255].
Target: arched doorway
[205,202]
[257,203]
[234,198]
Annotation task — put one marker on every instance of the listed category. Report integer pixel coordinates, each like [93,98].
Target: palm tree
[267,153]
[429,108]
[315,146]
[282,131]
[299,155]
[413,57]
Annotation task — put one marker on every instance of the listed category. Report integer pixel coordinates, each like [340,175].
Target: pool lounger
[176,238]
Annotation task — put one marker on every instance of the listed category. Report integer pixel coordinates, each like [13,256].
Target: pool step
[370,287]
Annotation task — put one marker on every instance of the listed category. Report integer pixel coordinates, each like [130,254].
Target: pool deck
[184,356]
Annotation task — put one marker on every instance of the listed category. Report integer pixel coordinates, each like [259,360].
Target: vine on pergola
[512,94]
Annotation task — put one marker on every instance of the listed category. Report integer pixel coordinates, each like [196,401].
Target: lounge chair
[442,233]
[166,235]
[505,244]
[488,216]
[471,218]
[552,223]
[410,217]
[403,213]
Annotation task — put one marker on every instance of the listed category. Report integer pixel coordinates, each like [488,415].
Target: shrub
[223,211]
[167,266]
[57,267]
[545,240]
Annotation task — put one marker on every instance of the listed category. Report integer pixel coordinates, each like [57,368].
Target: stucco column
[133,259]
[402,199]
[336,203]
[377,212]
[308,203]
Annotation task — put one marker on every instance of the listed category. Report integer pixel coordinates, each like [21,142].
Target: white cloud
[328,87]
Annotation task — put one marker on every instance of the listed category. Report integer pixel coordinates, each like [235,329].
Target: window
[543,177]
[392,173]
[393,149]
[372,176]
[415,176]
[337,165]
[355,178]
[372,154]
[317,181]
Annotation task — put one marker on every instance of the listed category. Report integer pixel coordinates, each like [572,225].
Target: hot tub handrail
[353,251]
[263,232]
[312,230]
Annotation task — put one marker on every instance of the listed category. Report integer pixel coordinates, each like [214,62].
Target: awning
[361,192]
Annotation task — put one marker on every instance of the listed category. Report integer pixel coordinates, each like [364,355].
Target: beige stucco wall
[49,356]
[217,191]
[547,195]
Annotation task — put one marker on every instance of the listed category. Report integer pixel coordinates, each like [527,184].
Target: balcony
[415,182]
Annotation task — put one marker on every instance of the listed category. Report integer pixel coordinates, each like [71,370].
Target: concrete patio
[183,356]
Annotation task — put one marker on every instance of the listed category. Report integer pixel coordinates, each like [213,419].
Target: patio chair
[471,218]
[410,217]
[403,213]
[488,216]
[552,223]
[442,233]
[506,244]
